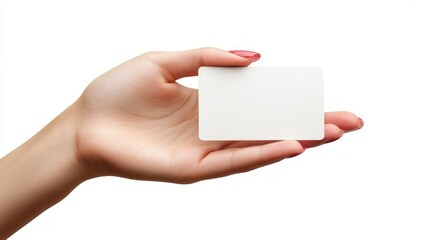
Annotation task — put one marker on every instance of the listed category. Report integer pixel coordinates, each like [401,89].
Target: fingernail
[361,123]
[247,54]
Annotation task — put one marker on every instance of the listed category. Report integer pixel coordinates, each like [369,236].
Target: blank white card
[260,103]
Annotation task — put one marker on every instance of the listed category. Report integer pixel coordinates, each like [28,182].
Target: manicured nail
[247,54]
[361,123]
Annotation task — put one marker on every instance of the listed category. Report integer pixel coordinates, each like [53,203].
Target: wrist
[39,173]
[60,136]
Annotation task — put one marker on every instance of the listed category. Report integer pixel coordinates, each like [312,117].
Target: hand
[136,121]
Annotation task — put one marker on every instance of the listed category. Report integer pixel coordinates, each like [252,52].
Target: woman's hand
[136,121]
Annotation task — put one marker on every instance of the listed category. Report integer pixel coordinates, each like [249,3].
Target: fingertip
[297,153]
[361,123]
[251,55]
[356,123]
[335,137]
[256,58]
[347,121]
[332,133]
[294,148]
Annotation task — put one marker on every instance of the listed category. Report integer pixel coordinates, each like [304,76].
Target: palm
[162,143]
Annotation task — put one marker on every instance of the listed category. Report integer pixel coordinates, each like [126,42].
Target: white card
[261,103]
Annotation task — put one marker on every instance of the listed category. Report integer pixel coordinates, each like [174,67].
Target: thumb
[176,65]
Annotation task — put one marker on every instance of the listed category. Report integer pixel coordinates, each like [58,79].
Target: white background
[372,184]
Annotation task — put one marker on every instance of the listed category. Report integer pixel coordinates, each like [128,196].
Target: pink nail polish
[247,54]
[361,123]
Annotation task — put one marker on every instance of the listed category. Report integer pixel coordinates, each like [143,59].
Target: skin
[136,122]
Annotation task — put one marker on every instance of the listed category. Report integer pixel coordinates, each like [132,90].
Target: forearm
[38,174]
